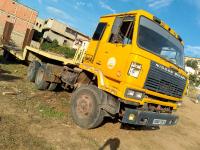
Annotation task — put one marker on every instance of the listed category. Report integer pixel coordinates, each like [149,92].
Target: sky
[181,15]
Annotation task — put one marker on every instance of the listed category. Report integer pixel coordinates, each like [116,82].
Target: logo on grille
[170,71]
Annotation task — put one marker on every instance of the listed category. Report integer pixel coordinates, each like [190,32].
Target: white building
[52,29]
[189,70]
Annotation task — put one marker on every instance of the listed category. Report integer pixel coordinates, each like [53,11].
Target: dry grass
[15,135]
[193,92]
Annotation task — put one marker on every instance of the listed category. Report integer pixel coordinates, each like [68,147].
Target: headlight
[134,94]
[138,95]
[135,69]
[131,117]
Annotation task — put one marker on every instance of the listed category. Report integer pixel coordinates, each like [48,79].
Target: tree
[192,63]
[194,80]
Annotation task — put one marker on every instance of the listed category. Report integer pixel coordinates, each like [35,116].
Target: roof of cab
[149,15]
[128,13]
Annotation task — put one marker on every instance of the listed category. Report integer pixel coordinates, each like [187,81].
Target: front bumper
[148,118]
[155,99]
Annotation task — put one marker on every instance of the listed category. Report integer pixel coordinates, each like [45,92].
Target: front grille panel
[164,81]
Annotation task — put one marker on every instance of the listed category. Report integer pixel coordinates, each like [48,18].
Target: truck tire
[40,83]
[32,70]
[85,107]
[52,86]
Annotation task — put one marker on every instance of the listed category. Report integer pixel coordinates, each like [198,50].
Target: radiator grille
[163,81]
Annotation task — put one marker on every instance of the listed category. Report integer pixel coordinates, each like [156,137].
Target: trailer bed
[23,54]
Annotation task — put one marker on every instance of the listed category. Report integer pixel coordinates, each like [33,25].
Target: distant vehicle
[132,70]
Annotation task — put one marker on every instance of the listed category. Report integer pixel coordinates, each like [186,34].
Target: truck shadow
[112,143]
[129,126]
[5,76]
[10,60]
[138,127]
[1,58]
[14,61]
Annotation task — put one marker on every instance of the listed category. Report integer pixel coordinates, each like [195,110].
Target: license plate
[159,122]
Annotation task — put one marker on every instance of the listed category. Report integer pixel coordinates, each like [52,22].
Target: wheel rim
[84,106]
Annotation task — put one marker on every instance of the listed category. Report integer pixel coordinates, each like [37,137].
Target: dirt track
[31,119]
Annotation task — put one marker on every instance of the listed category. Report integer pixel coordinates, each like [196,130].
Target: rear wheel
[40,82]
[32,70]
[85,107]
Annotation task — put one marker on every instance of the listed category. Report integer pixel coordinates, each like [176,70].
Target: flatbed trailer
[40,62]
[29,54]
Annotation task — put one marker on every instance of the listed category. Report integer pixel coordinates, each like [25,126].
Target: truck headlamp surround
[134,94]
[135,69]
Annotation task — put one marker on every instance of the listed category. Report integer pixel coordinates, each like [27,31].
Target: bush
[49,45]
[194,80]
[192,63]
[54,47]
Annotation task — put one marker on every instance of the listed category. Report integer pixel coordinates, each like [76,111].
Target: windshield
[154,38]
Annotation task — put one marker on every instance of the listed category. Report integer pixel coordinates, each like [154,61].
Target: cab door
[97,41]
[113,57]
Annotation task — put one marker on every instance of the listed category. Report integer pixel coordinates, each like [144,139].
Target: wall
[60,33]
[52,36]
[58,27]
[39,24]
[35,44]
[21,16]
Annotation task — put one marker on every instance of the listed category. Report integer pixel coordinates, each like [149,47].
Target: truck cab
[139,60]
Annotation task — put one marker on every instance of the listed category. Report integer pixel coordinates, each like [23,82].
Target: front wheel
[85,107]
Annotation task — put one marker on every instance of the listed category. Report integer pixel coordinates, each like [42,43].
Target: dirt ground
[40,120]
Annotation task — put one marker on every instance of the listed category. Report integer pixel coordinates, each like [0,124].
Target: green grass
[49,112]
[67,52]
[54,47]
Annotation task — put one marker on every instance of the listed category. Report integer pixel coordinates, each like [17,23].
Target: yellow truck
[132,70]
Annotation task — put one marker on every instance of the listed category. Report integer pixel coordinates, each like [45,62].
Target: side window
[99,31]
[122,31]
